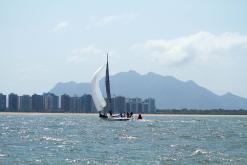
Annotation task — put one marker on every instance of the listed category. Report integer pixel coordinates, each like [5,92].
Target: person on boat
[103,115]
[131,114]
[128,115]
[110,112]
[139,117]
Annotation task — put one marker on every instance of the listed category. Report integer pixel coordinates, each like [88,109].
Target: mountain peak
[231,95]
[152,74]
[190,82]
[133,72]
[228,94]
[68,82]
[127,73]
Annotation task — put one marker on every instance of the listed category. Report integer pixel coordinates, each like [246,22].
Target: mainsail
[107,87]
[97,96]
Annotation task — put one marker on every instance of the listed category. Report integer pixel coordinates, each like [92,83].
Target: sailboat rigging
[103,106]
[108,90]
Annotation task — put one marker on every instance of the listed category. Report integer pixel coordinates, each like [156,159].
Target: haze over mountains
[168,91]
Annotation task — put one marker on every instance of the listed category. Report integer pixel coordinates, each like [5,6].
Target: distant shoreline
[48,113]
[163,113]
[203,112]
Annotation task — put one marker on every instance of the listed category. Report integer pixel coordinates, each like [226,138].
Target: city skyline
[44,43]
[50,103]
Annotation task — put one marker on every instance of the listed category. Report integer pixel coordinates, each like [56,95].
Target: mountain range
[168,92]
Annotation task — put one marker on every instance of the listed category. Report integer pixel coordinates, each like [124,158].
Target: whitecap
[49,138]
[2,155]
[61,123]
[166,158]
[72,160]
[125,136]
[188,121]
[173,145]
[199,152]
[61,146]
[146,120]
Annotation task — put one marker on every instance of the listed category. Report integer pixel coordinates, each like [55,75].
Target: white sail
[97,96]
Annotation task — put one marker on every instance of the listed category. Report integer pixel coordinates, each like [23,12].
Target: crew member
[139,116]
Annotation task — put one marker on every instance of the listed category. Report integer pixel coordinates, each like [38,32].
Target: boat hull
[115,119]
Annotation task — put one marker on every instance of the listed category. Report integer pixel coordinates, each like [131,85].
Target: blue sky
[45,42]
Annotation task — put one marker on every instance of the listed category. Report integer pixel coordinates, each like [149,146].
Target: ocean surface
[86,139]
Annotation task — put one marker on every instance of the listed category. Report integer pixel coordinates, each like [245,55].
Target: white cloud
[24,69]
[199,47]
[95,21]
[80,55]
[60,27]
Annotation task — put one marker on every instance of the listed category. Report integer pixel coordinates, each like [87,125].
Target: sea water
[86,139]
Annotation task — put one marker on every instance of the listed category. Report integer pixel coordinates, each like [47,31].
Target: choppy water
[86,139]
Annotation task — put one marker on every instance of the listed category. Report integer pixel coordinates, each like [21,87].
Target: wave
[3,155]
[173,145]
[49,138]
[128,137]
[199,152]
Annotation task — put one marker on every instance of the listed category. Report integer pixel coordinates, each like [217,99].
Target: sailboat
[102,105]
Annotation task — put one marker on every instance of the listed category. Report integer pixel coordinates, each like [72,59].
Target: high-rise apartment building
[2,102]
[37,103]
[13,105]
[25,103]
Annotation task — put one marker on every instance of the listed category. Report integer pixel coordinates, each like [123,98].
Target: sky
[46,42]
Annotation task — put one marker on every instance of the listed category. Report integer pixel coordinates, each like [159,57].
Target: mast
[108,91]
